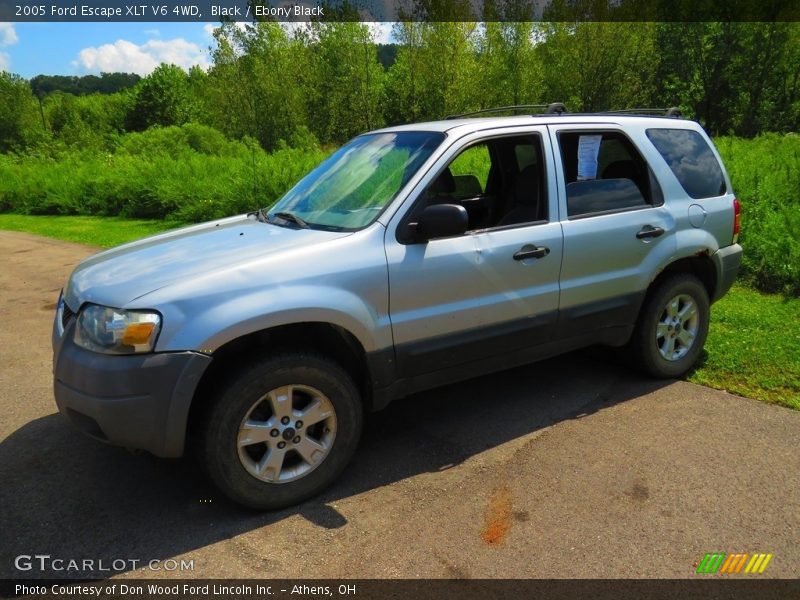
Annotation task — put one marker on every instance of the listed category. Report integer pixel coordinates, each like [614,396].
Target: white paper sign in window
[588,149]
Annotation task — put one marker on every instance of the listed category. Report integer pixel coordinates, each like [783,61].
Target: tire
[242,431]
[672,327]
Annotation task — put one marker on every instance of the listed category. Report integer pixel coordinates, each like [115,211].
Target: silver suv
[413,257]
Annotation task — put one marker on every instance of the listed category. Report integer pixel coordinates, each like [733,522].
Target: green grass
[94,231]
[753,348]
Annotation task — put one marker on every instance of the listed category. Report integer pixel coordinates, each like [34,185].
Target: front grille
[66,315]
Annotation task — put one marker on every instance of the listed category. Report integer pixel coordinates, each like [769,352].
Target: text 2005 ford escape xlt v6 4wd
[412,257]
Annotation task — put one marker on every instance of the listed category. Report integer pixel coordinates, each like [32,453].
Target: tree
[598,66]
[258,83]
[346,93]
[436,72]
[511,71]
[733,77]
[90,120]
[162,98]
[20,117]
[106,83]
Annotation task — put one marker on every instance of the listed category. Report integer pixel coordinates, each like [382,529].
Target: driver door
[456,302]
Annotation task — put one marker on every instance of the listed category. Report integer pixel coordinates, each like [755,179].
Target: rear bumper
[727,260]
[139,402]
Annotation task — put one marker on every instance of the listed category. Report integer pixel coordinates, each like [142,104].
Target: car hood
[118,276]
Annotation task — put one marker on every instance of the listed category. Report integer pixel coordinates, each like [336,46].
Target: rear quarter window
[691,160]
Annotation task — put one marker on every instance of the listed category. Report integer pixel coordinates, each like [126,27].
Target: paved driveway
[572,467]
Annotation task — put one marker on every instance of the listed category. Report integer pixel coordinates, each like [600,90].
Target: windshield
[351,187]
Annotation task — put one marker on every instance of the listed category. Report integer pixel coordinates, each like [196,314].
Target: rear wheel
[281,430]
[673,326]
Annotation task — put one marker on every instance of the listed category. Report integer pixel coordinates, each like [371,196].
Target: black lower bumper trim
[139,401]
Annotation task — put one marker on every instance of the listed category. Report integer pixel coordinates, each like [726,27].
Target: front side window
[605,173]
[353,185]
[691,160]
[499,182]
[471,170]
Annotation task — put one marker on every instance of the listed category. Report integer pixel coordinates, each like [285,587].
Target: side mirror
[440,220]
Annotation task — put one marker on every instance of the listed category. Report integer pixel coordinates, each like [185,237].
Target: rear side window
[605,173]
[691,160]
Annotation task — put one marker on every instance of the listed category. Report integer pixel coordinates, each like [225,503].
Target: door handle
[531,251]
[648,231]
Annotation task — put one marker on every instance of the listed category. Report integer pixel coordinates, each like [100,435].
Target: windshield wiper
[259,214]
[287,216]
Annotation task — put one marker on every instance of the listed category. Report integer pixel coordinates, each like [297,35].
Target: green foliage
[259,84]
[90,121]
[436,73]
[327,81]
[733,77]
[20,122]
[162,98]
[348,81]
[765,173]
[106,83]
[190,173]
[387,54]
[512,72]
[598,66]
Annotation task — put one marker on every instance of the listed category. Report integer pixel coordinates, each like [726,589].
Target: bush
[190,173]
[765,173]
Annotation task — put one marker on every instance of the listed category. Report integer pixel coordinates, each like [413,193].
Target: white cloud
[128,57]
[5,61]
[8,35]
[381,32]
[210,28]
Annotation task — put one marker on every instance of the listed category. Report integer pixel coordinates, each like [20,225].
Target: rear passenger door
[613,218]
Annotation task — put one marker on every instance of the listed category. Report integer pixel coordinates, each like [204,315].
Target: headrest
[443,184]
[526,187]
[621,169]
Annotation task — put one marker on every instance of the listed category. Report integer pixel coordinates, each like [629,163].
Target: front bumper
[138,401]
[727,260]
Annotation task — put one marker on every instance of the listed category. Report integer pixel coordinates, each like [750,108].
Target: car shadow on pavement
[68,496]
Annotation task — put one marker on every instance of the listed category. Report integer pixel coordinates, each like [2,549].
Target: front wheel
[672,327]
[281,430]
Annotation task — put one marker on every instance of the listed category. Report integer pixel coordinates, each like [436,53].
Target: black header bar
[708,587]
[398,10]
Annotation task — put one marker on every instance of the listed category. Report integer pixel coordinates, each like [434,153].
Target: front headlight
[116,331]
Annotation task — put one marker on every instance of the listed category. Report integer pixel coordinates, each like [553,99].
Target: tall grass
[189,173]
[765,173]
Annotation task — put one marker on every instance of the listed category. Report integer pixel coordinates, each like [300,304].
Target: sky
[31,49]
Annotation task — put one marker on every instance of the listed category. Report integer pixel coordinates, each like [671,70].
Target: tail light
[737,219]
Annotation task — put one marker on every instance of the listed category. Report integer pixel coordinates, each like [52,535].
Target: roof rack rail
[558,108]
[672,111]
[514,107]
[550,109]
